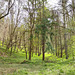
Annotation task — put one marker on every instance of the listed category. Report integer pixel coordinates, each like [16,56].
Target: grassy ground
[51,66]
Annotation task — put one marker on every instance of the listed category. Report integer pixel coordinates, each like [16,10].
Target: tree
[9,7]
[64,24]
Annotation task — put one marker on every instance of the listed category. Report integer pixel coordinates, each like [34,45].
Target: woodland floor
[51,66]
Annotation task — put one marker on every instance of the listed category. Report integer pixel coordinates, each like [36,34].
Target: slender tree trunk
[31,36]
[60,42]
[58,45]
[64,24]
[11,47]
[56,40]
[43,38]
[15,42]
[43,48]
[26,52]
[38,44]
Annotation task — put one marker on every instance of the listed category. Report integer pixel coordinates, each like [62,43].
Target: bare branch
[9,7]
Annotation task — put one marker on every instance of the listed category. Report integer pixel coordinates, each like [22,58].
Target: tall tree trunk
[43,38]
[64,24]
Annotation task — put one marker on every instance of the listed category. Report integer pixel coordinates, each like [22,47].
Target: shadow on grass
[67,61]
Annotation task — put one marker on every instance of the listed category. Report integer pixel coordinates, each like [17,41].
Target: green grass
[51,66]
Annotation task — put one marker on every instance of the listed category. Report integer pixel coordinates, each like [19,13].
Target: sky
[52,2]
